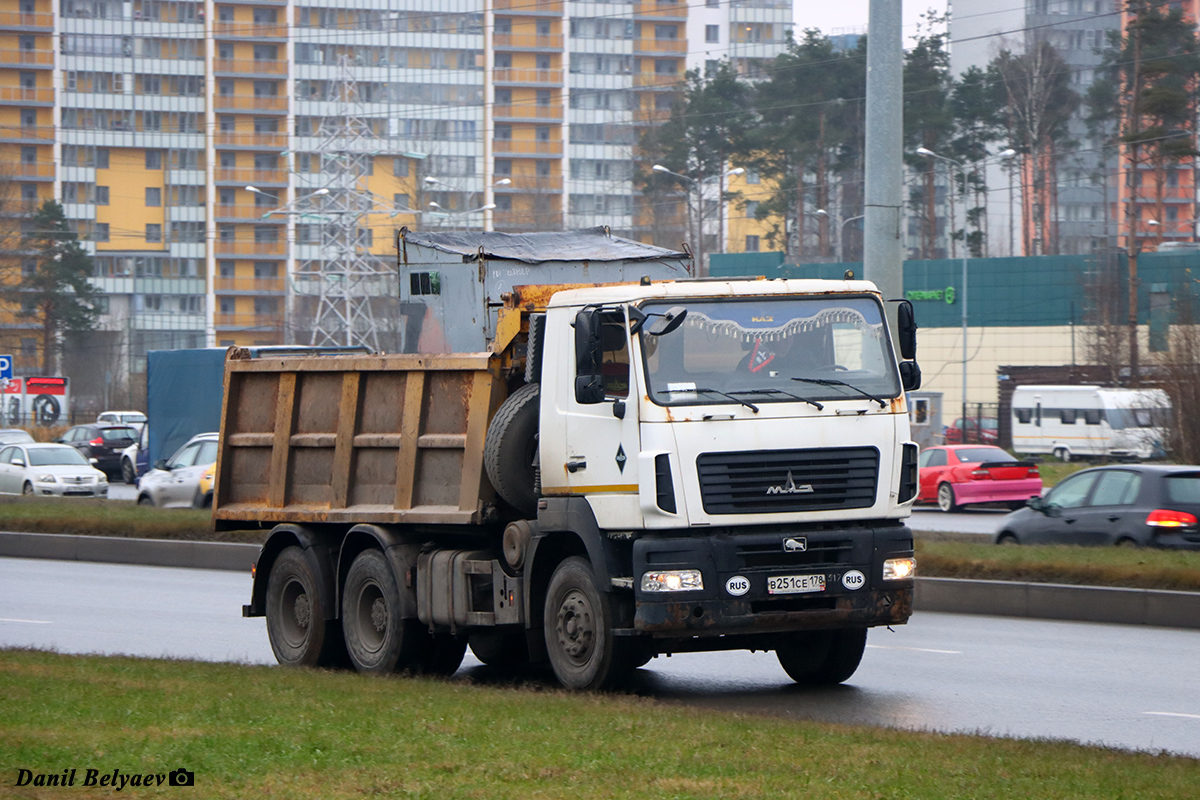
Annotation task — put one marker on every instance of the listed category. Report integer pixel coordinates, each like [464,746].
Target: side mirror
[93,461]
[1036,504]
[910,376]
[906,330]
[671,319]
[162,464]
[17,462]
[589,384]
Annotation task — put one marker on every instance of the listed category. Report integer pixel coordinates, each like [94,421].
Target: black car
[104,443]
[1135,505]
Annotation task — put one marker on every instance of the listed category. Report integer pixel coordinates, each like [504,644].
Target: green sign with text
[946,294]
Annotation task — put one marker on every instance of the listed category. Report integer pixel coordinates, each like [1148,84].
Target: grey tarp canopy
[589,244]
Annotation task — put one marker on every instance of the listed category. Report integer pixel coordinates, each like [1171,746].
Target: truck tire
[379,642]
[510,449]
[443,654]
[577,625]
[296,625]
[823,658]
[508,652]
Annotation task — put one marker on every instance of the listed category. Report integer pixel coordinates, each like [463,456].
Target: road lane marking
[1171,714]
[30,621]
[916,649]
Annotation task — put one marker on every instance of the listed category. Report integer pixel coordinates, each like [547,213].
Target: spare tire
[510,450]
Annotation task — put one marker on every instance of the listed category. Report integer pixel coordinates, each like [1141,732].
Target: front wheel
[577,624]
[127,472]
[945,498]
[145,500]
[27,490]
[823,658]
[1062,454]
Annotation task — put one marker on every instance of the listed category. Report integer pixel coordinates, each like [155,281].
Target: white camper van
[1089,421]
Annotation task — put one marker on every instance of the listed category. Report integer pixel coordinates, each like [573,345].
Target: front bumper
[846,557]
[60,489]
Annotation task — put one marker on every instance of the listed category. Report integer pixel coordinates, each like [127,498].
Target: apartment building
[183,137]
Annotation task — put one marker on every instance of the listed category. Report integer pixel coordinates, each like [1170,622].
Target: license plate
[795,584]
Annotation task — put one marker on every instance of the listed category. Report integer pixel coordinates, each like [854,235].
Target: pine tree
[928,122]
[55,291]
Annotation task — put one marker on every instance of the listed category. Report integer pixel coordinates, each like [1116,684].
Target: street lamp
[963,173]
[699,186]
[842,235]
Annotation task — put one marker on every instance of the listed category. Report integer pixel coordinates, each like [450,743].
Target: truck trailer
[630,469]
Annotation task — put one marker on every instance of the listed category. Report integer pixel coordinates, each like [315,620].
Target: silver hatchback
[175,482]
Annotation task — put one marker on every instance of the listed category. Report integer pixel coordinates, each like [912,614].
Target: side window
[207,454]
[6,455]
[1072,492]
[615,364]
[937,458]
[1024,415]
[186,457]
[923,461]
[1117,487]
[72,435]
[1067,415]
[1091,416]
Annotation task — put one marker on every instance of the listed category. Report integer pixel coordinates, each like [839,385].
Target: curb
[952,595]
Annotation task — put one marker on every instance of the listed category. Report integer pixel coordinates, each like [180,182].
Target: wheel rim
[371,617]
[127,472]
[576,628]
[27,489]
[944,499]
[296,613]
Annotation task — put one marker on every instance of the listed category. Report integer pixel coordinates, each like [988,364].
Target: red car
[964,474]
[985,431]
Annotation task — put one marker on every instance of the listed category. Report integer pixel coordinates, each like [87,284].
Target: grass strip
[87,517]
[267,732]
[1084,566]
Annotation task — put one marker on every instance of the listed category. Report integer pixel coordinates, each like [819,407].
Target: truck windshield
[755,348]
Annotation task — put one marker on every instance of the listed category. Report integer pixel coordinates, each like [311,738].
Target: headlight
[679,580]
[899,569]
[45,479]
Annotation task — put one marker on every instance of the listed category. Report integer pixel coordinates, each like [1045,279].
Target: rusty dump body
[349,439]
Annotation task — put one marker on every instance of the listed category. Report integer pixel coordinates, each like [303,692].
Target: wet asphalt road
[1119,685]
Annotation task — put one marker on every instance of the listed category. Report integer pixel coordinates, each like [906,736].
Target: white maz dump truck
[627,470]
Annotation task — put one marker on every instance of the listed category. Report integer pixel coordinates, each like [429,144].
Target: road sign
[6,367]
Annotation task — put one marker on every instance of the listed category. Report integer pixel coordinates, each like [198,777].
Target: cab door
[602,438]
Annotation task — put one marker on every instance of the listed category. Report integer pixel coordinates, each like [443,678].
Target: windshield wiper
[739,400]
[835,382]
[812,403]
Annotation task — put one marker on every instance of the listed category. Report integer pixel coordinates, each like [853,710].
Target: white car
[175,482]
[135,419]
[57,470]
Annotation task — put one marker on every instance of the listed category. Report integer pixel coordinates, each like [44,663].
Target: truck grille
[780,481]
[816,554]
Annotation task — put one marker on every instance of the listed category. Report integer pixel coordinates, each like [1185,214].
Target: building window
[228,305]
[751,244]
[752,176]
[28,348]
[226,269]
[400,200]
[153,196]
[424,283]
[100,232]
[101,158]
[153,232]
[712,33]
[154,159]
[399,167]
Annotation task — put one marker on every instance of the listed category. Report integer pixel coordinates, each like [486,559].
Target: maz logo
[790,487]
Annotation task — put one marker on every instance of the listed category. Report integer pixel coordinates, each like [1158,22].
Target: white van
[1089,421]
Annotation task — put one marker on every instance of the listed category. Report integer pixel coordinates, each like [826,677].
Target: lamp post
[698,185]
[842,235]
[430,181]
[963,173]
[451,215]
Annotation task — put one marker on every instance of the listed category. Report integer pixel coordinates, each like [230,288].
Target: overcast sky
[830,14]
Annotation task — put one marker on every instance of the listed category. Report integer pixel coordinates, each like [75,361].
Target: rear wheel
[945,498]
[378,640]
[1007,538]
[577,624]
[127,472]
[1062,454]
[823,658]
[296,626]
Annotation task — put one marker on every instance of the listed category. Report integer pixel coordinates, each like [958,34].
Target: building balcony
[26,21]
[527,41]
[18,95]
[664,81]
[249,67]
[272,139]
[36,171]
[27,134]
[249,285]
[549,8]
[245,213]
[531,184]
[526,147]
[678,46]
[251,249]
[250,103]
[651,115]
[249,321]
[537,77]
[251,30]
[660,11]
[27,58]
[247,176]
[529,112]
